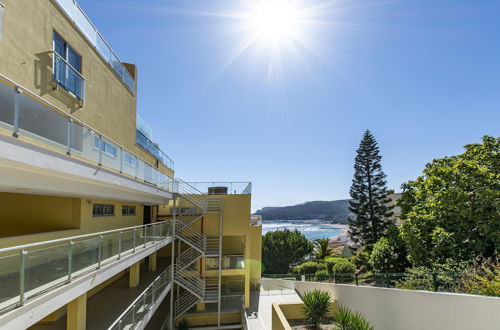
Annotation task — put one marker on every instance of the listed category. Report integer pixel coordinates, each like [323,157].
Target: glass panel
[9,280]
[110,247]
[129,164]
[103,48]
[140,169]
[85,256]
[7,102]
[41,123]
[111,155]
[46,268]
[85,144]
[127,242]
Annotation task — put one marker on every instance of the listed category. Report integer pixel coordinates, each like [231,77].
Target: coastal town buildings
[97,232]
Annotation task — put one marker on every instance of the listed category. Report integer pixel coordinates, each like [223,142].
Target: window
[130,160]
[67,67]
[128,210]
[103,210]
[108,148]
[2,7]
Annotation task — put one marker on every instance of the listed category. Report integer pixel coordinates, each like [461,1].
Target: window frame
[103,207]
[67,46]
[105,144]
[128,208]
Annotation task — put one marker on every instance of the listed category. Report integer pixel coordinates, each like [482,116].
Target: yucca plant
[316,306]
[183,324]
[347,320]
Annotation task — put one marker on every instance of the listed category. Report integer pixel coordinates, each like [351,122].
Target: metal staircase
[195,287]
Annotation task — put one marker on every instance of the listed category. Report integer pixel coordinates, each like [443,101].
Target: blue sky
[422,75]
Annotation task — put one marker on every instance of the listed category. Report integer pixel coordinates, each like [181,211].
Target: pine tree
[370,203]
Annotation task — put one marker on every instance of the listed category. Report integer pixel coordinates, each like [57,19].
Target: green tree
[452,211]
[389,254]
[284,249]
[322,248]
[370,203]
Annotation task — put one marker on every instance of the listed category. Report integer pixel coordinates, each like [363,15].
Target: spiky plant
[347,320]
[316,306]
[183,324]
[321,248]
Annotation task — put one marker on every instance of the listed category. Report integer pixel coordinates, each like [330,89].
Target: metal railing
[432,281]
[29,270]
[153,149]
[26,114]
[184,302]
[228,262]
[84,24]
[223,188]
[191,194]
[138,313]
[69,78]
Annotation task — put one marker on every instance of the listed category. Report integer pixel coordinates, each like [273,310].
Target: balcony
[83,23]
[67,77]
[78,263]
[24,114]
[153,149]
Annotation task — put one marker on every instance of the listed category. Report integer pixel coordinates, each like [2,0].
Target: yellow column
[152,262]
[133,275]
[77,313]
[247,271]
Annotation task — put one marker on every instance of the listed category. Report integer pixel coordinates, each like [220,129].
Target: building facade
[96,230]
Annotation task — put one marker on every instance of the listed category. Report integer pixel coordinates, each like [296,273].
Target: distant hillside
[334,211]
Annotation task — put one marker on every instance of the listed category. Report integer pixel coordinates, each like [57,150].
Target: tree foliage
[452,211]
[389,253]
[322,248]
[370,205]
[309,267]
[283,249]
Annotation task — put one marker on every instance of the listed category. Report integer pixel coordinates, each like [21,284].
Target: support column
[134,274]
[76,317]
[247,271]
[152,262]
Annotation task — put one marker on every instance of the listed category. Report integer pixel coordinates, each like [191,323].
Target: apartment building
[96,231]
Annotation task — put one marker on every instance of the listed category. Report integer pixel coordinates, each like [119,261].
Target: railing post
[120,243]
[145,234]
[16,112]
[68,142]
[435,282]
[121,160]
[135,235]
[356,275]
[99,251]
[101,146]
[22,277]
[70,260]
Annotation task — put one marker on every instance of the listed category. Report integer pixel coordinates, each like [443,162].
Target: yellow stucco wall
[211,319]
[34,218]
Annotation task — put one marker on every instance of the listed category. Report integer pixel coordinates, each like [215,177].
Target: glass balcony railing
[223,188]
[27,271]
[67,77]
[26,114]
[228,262]
[76,14]
[137,315]
[153,149]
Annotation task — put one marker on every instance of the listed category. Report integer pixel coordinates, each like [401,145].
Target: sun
[275,21]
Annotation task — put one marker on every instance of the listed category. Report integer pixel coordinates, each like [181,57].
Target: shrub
[316,306]
[332,261]
[361,260]
[283,249]
[309,267]
[321,272]
[183,324]
[347,320]
[344,266]
[484,280]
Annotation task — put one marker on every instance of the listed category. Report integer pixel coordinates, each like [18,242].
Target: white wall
[394,309]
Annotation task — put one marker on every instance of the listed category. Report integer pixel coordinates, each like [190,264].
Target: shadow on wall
[44,82]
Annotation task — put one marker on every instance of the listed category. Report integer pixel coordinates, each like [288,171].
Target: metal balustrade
[141,310]
[223,188]
[23,113]
[69,78]
[29,270]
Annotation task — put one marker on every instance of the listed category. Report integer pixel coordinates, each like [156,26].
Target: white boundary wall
[395,309]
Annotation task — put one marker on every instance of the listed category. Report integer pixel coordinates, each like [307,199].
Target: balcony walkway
[104,307]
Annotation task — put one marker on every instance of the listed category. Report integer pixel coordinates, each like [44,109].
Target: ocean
[312,229]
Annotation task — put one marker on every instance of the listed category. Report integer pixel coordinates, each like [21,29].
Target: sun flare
[274,20]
